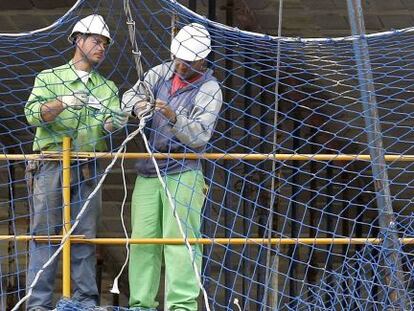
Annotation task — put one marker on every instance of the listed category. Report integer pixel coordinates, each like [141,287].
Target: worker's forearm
[51,110]
[108,126]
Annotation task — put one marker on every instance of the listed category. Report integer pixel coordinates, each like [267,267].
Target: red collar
[178,83]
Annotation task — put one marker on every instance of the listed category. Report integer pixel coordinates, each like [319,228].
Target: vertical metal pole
[273,297]
[66,217]
[312,272]
[393,278]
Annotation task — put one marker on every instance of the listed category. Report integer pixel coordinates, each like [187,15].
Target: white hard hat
[191,43]
[92,24]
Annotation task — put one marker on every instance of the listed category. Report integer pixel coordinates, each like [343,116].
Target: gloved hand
[140,108]
[75,101]
[119,118]
[166,111]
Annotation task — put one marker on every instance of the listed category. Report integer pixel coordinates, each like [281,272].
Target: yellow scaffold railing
[207,241]
[66,155]
[57,156]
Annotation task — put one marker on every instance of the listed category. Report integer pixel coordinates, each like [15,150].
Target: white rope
[115,287]
[145,114]
[236,303]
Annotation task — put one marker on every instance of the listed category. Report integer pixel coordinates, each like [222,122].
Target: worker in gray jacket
[187,102]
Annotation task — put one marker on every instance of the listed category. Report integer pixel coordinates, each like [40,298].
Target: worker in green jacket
[71,100]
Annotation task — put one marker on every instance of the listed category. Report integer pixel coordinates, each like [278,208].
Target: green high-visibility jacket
[84,126]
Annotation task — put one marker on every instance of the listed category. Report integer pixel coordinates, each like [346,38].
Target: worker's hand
[140,108]
[119,119]
[75,101]
[166,111]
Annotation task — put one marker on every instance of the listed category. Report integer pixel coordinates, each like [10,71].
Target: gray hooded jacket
[197,107]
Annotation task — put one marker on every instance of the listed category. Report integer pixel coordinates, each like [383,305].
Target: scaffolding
[67,155]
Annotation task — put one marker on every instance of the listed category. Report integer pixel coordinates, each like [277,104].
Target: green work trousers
[152,217]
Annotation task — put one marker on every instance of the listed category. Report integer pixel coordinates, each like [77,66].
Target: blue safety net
[287,170]
[71,305]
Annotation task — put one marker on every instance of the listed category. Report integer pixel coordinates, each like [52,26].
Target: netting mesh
[314,108]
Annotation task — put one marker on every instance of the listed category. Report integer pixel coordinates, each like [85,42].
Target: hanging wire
[115,287]
[132,38]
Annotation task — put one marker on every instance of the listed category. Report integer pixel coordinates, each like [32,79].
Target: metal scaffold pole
[66,217]
[391,261]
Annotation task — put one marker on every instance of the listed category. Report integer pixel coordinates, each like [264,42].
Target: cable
[115,288]
[236,303]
